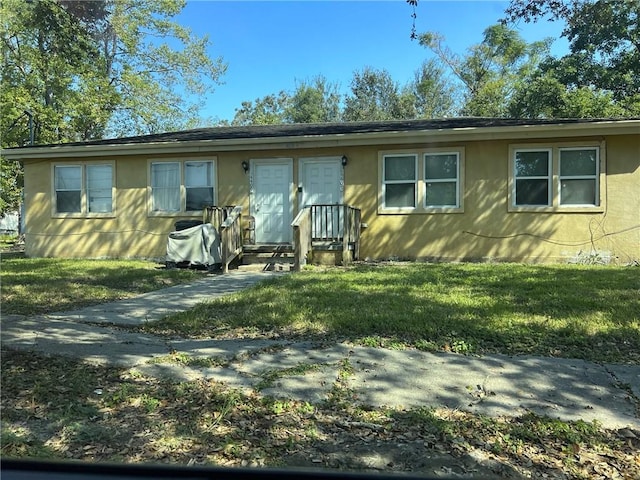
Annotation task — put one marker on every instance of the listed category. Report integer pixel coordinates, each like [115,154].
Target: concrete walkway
[491,385]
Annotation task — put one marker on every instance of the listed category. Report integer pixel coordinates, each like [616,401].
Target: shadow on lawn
[566,311]
[54,404]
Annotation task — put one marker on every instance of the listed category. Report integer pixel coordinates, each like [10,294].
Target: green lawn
[590,312]
[44,285]
[60,408]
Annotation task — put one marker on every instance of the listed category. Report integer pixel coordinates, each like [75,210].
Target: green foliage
[600,77]
[434,95]
[11,182]
[269,110]
[490,72]
[314,101]
[51,67]
[85,69]
[317,101]
[375,96]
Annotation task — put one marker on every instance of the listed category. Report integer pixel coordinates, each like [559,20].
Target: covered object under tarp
[195,246]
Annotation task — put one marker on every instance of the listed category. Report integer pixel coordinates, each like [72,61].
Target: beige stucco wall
[486,230]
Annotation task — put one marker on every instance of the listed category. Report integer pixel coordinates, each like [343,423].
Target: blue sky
[269,45]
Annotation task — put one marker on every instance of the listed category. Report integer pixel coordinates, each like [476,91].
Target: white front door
[322,184]
[271,200]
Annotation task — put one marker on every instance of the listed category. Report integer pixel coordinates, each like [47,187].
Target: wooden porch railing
[301,238]
[337,224]
[231,237]
[228,222]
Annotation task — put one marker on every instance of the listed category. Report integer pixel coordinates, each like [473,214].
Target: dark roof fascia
[314,131]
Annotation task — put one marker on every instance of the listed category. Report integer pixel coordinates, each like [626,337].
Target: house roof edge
[335,134]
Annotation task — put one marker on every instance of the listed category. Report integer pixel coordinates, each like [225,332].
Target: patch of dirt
[416,458]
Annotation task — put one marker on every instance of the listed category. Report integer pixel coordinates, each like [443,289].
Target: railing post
[231,236]
[356,233]
[345,235]
[302,232]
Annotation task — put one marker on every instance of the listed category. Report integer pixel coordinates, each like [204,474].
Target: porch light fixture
[245,166]
[344,160]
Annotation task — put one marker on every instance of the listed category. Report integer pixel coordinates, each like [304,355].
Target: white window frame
[595,177]
[548,177]
[84,191]
[153,187]
[455,180]
[210,182]
[555,205]
[400,182]
[421,206]
[182,163]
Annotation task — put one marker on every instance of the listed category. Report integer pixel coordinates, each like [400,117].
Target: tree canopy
[489,73]
[313,101]
[600,76]
[97,67]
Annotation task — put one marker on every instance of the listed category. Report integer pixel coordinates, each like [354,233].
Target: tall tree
[50,66]
[604,58]
[434,95]
[98,67]
[490,72]
[314,101]
[376,96]
[268,110]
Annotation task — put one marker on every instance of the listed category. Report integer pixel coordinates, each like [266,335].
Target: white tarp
[9,222]
[199,245]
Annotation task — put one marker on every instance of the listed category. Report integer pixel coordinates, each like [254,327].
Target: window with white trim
[83,189]
[99,188]
[399,181]
[186,186]
[557,177]
[532,172]
[579,176]
[442,179]
[198,183]
[426,180]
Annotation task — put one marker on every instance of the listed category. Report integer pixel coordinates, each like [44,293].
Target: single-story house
[478,189]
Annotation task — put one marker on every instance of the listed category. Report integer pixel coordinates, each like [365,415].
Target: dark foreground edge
[35,470]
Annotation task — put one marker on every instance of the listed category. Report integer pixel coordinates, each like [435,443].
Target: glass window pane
[100,202]
[198,198]
[99,176]
[68,178]
[99,183]
[441,166]
[532,164]
[578,192]
[165,186]
[400,168]
[165,175]
[532,192]
[68,201]
[578,162]
[198,174]
[400,195]
[442,194]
